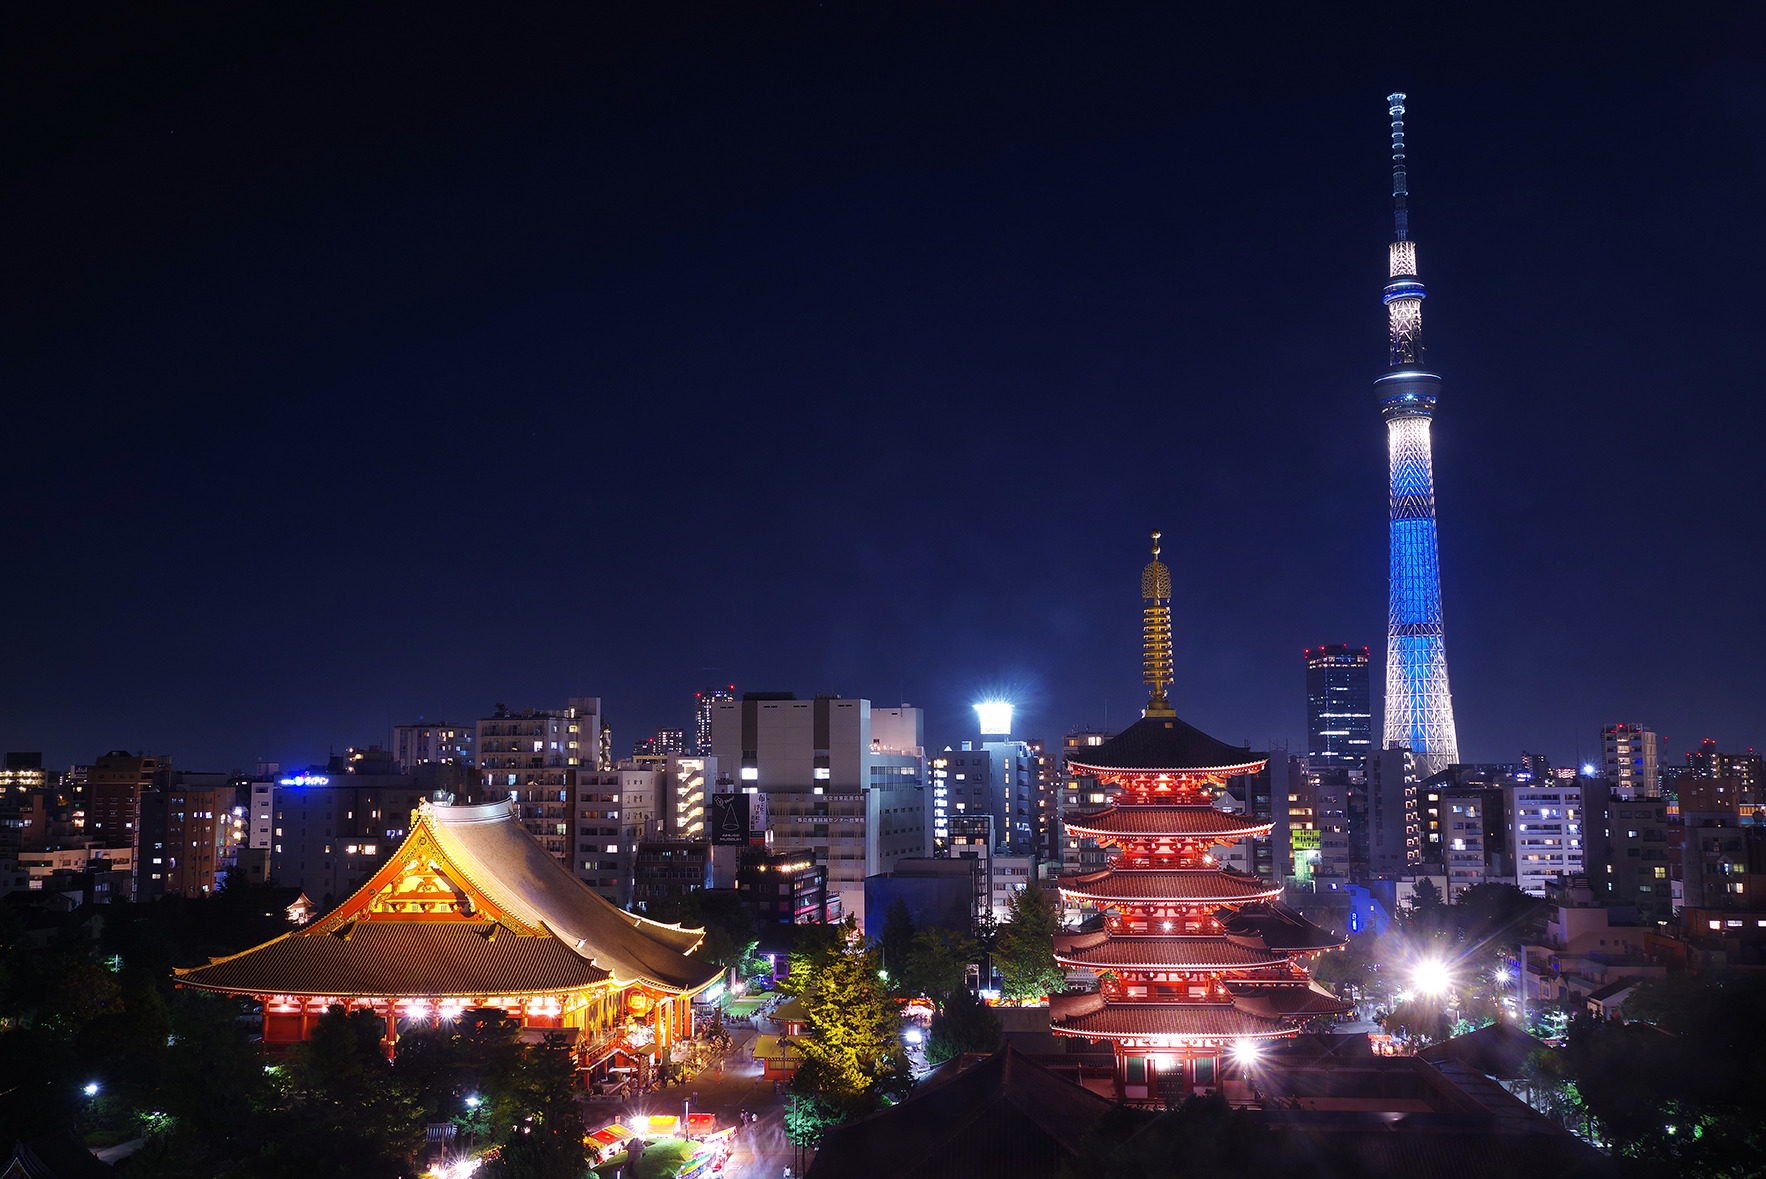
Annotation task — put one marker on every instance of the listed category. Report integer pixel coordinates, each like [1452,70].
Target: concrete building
[508,744]
[1632,758]
[1318,825]
[1587,948]
[669,870]
[1339,707]
[113,789]
[187,835]
[1394,837]
[833,774]
[1723,862]
[1475,843]
[1643,865]
[1547,830]
[1080,796]
[962,787]
[427,743]
[1045,815]
[1743,768]
[334,825]
[783,886]
[702,706]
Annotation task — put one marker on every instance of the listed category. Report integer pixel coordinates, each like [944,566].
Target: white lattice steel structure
[1419,706]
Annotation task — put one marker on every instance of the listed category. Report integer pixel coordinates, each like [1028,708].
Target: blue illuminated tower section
[1419,707]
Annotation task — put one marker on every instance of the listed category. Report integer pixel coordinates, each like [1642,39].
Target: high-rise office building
[1633,760]
[836,775]
[1743,768]
[1419,707]
[1339,707]
[702,705]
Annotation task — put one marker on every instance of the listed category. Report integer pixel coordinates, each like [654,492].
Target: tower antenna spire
[1156,665]
[1419,707]
[1400,179]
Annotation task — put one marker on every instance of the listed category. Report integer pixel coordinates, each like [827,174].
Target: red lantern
[638,1003]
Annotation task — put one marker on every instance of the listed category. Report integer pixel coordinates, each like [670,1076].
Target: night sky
[364,362]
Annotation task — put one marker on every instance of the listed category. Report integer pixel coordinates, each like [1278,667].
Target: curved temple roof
[1132,885]
[1197,819]
[1165,743]
[1089,1015]
[532,927]
[1167,953]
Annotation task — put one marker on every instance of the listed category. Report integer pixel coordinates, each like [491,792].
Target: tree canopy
[853,1061]
[1024,948]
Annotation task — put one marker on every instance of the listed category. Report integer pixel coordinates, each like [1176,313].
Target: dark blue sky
[401,359]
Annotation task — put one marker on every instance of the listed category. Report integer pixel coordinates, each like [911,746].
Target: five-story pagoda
[1196,961]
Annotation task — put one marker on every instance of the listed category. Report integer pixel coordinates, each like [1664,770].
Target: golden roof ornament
[1156,663]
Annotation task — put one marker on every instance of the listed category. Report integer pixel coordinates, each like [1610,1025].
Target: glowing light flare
[1431,977]
[1247,1052]
[994,717]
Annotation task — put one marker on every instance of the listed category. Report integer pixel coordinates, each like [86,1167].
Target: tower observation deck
[1419,707]
[1197,964]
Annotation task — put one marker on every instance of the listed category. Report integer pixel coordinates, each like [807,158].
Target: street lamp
[1431,976]
[92,1089]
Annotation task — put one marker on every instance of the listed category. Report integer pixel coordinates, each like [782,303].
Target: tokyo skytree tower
[1419,707]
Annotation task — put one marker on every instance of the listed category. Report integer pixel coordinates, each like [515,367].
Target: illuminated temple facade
[1198,964]
[472,911]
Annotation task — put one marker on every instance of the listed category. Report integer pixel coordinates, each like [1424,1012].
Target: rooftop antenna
[1400,182]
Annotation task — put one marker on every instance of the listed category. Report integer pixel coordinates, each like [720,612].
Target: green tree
[1024,948]
[937,963]
[853,1061]
[1680,1089]
[546,1142]
[963,1024]
[346,1113]
[1419,1022]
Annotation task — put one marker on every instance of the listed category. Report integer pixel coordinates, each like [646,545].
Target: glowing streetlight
[472,1103]
[92,1089]
[1431,977]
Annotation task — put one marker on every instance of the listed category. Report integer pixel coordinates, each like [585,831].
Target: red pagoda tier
[1197,963]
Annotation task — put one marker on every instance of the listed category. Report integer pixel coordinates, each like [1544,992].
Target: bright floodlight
[913,1036]
[92,1089]
[1246,1051]
[995,717]
[1430,976]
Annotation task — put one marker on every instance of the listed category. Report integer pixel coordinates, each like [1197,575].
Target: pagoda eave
[1229,770]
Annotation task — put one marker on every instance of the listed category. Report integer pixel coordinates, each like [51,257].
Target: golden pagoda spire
[1156,632]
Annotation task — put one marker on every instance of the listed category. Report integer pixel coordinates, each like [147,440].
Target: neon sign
[305,780]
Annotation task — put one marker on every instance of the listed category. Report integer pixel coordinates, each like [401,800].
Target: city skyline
[301,398]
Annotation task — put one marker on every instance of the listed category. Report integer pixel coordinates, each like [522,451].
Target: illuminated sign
[1304,840]
[729,819]
[305,780]
[995,717]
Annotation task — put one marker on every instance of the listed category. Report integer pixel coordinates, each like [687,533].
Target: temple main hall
[472,912]
[1198,965]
